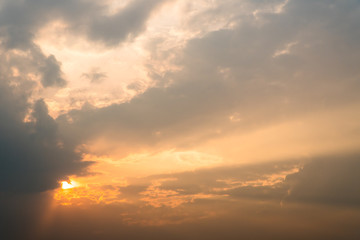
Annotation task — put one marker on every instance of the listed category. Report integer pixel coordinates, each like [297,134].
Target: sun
[67,185]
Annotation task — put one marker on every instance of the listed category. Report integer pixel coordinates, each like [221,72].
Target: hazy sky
[179,119]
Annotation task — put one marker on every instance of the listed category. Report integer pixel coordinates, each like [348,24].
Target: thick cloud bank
[33,158]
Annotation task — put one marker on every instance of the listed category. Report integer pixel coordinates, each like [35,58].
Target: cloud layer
[223,82]
[270,67]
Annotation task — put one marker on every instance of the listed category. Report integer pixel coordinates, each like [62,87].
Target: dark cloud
[33,157]
[51,73]
[329,180]
[20,20]
[127,23]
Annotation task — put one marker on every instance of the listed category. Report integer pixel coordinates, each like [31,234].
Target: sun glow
[67,185]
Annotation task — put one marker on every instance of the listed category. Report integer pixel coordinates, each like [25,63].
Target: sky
[179,119]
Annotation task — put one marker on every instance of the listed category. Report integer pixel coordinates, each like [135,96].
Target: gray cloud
[33,157]
[20,20]
[95,75]
[51,73]
[329,180]
[127,23]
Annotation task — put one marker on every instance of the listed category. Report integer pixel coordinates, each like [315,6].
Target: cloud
[324,180]
[328,180]
[33,157]
[20,20]
[236,70]
[266,63]
[126,23]
[95,75]
[51,73]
